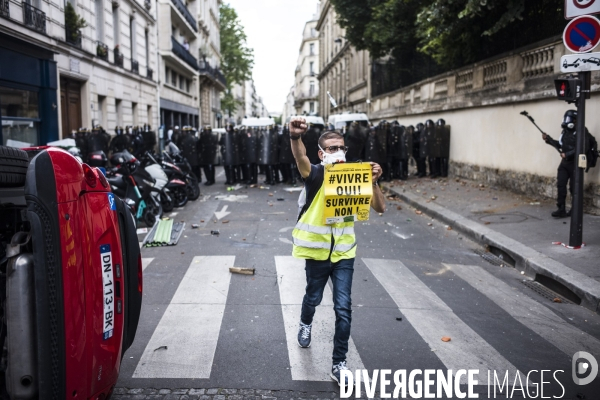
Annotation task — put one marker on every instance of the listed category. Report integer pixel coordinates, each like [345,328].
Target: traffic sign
[575,8]
[582,34]
[580,62]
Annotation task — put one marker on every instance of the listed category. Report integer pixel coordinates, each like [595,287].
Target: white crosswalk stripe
[313,363]
[432,318]
[185,340]
[527,311]
[146,262]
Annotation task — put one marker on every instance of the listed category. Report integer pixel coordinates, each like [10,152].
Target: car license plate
[108,291]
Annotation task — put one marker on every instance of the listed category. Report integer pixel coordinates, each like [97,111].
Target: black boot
[238,174]
[285,176]
[254,174]
[245,173]
[269,175]
[210,179]
[561,212]
[212,174]
[228,175]
[293,173]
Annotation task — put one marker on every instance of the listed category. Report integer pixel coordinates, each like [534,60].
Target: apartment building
[306,93]
[76,63]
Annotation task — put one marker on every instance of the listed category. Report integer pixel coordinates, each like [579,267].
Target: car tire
[13,166]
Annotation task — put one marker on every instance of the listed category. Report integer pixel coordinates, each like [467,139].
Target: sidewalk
[516,224]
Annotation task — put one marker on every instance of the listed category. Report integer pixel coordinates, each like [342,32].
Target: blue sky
[274,29]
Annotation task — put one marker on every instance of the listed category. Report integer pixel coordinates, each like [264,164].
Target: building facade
[344,72]
[288,106]
[66,73]
[306,99]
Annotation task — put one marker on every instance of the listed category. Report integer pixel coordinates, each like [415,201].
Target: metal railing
[182,53]
[34,18]
[135,67]
[186,14]
[4,9]
[73,37]
[102,50]
[119,58]
[212,72]
[149,73]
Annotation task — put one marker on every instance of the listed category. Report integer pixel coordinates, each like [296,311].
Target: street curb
[527,259]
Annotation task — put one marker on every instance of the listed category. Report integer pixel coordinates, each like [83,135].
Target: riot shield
[267,146]
[189,147]
[434,140]
[355,138]
[229,148]
[248,145]
[285,147]
[311,142]
[394,141]
[406,139]
[444,133]
[423,141]
[119,143]
[207,147]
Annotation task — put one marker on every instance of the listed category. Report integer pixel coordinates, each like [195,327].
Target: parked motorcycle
[172,190]
[175,157]
[135,186]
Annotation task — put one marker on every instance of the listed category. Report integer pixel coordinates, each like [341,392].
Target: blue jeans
[317,275]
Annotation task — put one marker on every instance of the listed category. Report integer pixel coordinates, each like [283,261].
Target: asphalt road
[415,281]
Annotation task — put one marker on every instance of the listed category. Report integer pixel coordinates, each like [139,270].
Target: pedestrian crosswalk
[186,339]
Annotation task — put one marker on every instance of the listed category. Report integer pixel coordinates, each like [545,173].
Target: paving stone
[150,391]
[246,391]
[164,391]
[264,392]
[235,397]
[172,397]
[229,391]
[205,397]
[196,391]
[219,397]
[135,391]
[180,391]
[120,391]
[154,397]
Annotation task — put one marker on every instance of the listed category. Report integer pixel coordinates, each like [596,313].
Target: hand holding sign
[376,171]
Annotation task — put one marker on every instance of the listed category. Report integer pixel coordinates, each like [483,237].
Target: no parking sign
[582,34]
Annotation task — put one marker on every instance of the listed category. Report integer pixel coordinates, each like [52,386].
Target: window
[174,78]
[188,85]
[101,116]
[167,76]
[134,111]
[312,68]
[99,20]
[312,49]
[181,82]
[147,47]
[149,115]
[312,107]
[19,110]
[115,13]
[312,89]
[132,39]
[119,112]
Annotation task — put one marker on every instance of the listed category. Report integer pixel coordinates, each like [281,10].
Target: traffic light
[567,89]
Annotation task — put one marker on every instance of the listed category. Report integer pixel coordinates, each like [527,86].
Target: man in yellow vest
[329,250]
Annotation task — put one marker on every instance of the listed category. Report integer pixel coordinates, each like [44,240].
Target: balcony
[183,54]
[186,14]
[73,37]
[135,67]
[102,51]
[148,4]
[34,18]
[214,74]
[118,58]
[149,73]
[4,9]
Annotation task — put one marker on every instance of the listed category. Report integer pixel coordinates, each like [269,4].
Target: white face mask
[330,158]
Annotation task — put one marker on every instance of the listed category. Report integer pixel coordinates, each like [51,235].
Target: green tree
[237,59]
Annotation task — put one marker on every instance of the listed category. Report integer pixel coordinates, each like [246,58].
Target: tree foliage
[420,38]
[237,59]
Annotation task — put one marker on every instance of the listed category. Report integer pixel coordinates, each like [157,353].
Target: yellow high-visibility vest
[312,238]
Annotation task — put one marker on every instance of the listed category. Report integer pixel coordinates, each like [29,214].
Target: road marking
[222,213]
[190,326]
[527,311]
[286,241]
[313,363]
[232,197]
[146,262]
[401,236]
[287,228]
[432,319]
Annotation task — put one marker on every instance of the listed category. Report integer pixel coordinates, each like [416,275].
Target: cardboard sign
[348,192]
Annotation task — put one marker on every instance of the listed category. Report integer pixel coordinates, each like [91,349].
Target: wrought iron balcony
[4,9]
[149,73]
[102,51]
[148,4]
[212,73]
[73,37]
[135,67]
[34,18]
[118,58]
[182,53]
[186,14]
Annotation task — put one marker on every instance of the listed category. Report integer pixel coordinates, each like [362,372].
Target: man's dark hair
[329,135]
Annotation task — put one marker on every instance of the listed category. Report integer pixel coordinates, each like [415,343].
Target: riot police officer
[567,147]
[229,153]
[422,150]
[268,154]
[248,153]
[207,154]
[376,146]
[120,141]
[434,144]
[286,157]
[443,131]
[188,143]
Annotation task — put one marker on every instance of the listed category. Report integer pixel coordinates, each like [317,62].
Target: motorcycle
[175,157]
[71,277]
[135,186]
[172,190]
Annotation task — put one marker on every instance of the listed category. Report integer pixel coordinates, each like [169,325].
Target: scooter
[135,186]
[172,193]
[174,156]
